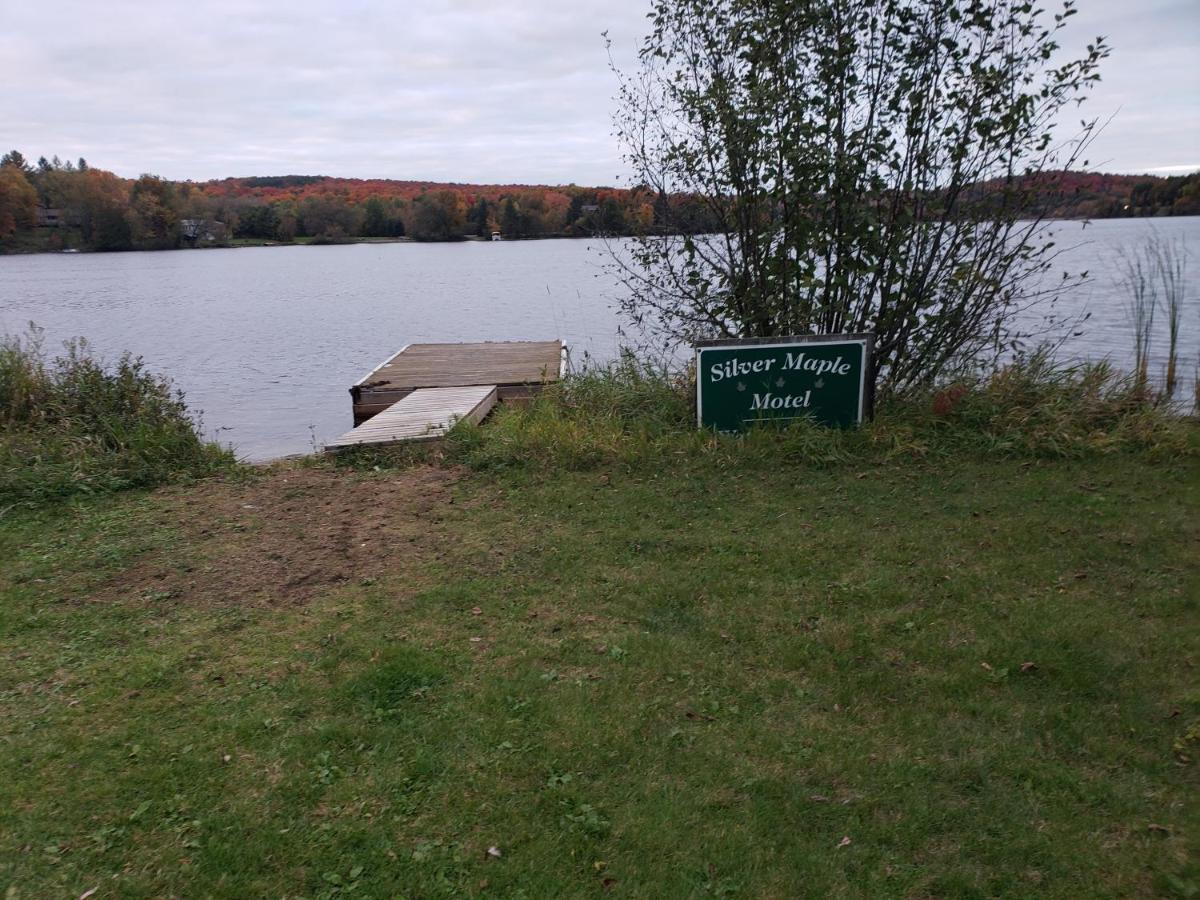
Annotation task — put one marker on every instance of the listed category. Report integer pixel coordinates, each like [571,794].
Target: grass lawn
[967,679]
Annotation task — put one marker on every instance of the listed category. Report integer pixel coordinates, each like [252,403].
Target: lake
[266,341]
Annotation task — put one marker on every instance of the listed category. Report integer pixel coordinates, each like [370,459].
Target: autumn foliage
[79,205]
[18,201]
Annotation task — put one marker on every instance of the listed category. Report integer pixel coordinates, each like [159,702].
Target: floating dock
[516,368]
[420,393]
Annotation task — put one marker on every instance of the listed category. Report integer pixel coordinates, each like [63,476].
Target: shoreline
[245,243]
[242,243]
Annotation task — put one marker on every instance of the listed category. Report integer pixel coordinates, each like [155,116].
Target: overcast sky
[491,91]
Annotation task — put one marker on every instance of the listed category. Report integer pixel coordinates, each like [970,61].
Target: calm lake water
[266,341]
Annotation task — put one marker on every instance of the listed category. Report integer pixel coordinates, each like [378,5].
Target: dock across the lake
[420,393]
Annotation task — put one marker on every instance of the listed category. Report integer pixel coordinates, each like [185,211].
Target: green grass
[694,679]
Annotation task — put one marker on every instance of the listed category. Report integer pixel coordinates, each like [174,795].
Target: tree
[863,162]
[328,218]
[154,212]
[512,224]
[375,219]
[611,218]
[102,200]
[440,216]
[17,161]
[18,200]
[256,220]
[480,217]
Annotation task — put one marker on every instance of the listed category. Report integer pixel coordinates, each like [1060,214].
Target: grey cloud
[463,90]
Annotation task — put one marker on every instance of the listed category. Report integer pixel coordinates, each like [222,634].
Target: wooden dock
[516,368]
[422,391]
[424,415]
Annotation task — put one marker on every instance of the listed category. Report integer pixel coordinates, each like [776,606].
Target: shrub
[73,425]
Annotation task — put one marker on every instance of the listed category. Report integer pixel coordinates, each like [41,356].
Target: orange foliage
[359,190]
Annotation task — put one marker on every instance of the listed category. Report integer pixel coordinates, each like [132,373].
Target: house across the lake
[49,217]
[197,230]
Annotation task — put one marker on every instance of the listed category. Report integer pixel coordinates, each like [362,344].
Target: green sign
[778,380]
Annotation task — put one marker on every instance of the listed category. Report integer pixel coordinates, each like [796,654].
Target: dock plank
[518,369]
[453,365]
[425,414]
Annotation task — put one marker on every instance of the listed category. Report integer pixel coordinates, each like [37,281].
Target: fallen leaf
[476,640]
[476,611]
[986,667]
[1028,667]
[87,894]
[1159,829]
[493,852]
[844,842]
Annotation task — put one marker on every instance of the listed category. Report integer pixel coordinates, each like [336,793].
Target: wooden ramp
[515,368]
[425,414]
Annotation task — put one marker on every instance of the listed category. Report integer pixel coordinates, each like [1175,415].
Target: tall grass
[1139,277]
[1171,263]
[1159,264]
[73,425]
[629,416]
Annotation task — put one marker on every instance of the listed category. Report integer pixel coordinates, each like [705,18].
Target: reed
[1139,276]
[1170,258]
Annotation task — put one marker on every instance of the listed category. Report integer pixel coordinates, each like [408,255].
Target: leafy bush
[73,425]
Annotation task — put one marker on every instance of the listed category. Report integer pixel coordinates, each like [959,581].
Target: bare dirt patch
[285,536]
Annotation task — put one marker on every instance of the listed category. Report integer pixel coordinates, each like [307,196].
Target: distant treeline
[54,205]
[1094,195]
[57,205]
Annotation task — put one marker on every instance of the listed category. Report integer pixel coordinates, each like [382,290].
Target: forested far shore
[53,205]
